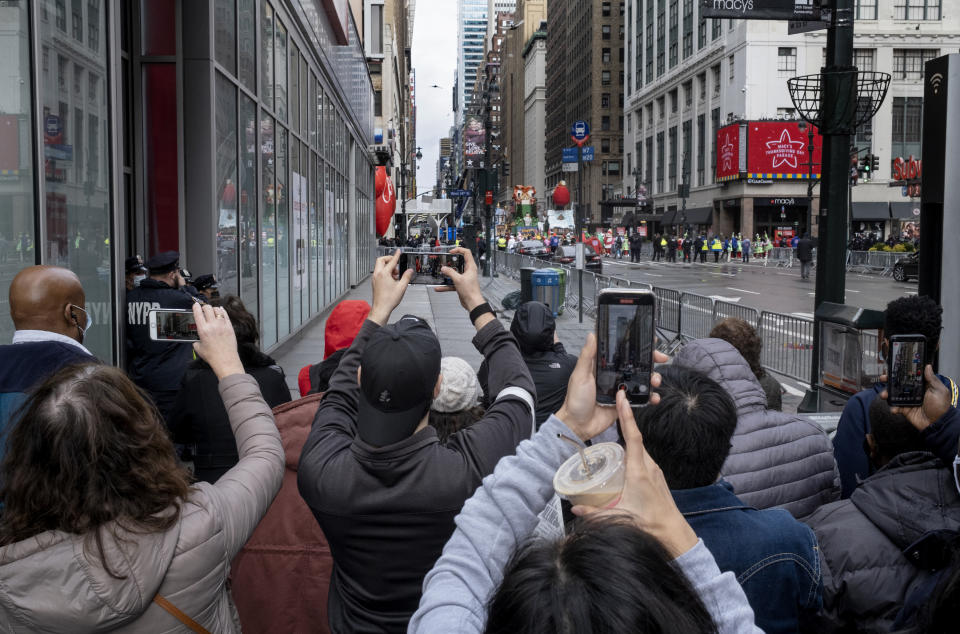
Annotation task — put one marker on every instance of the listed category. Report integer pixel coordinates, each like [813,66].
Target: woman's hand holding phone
[218,341]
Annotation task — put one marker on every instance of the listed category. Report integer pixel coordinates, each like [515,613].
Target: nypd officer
[207,286]
[158,366]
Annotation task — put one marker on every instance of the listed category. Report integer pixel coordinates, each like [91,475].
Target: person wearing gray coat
[776,459]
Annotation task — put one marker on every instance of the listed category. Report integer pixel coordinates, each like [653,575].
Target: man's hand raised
[387,291]
[936,402]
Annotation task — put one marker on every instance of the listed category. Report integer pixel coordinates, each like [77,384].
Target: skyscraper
[472,24]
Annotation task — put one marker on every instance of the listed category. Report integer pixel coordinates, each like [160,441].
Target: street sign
[580,132]
[569,155]
[588,153]
[808,26]
[488,198]
[459,193]
[761,9]
[569,167]
[52,126]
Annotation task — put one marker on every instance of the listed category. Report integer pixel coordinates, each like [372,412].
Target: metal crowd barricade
[697,317]
[722,310]
[668,309]
[787,344]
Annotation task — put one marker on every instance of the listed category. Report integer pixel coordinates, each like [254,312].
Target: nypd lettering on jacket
[137,312]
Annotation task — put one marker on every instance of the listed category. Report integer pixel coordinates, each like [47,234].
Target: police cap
[133,264]
[203,282]
[163,262]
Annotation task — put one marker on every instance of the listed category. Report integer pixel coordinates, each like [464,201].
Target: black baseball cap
[203,282]
[163,262]
[399,369]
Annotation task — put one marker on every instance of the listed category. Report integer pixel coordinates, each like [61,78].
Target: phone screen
[427,267]
[906,385]
[624,347]
[173,325]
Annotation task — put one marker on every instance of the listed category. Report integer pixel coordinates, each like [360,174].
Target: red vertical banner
[728,152]
[162,161]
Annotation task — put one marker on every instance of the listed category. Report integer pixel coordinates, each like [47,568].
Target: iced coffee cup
[592,477]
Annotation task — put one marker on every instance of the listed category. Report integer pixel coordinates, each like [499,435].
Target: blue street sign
[588,153]
[580,130]
[459,193]
[569,155]
[52,125]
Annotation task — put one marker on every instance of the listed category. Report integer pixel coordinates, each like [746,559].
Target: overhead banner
[474,139]
[761,9]
[779,150]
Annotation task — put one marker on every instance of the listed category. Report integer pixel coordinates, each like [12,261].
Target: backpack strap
[179,615]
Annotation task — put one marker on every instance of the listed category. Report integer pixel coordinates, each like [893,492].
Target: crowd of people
[405,492]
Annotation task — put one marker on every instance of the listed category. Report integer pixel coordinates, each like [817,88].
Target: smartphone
[173,325]
[427,266]
[625,342]
[905,363]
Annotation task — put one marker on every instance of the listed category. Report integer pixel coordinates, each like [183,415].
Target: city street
[771,288]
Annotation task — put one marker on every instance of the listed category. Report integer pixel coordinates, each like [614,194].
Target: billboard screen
[474,142]
[761,9]
[778,149]
[728,152]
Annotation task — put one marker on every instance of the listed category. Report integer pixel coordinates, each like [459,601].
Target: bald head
[41,298]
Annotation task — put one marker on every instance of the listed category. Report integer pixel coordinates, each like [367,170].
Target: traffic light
[874,162]
[865,165]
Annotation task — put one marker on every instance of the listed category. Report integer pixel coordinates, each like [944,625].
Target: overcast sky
[434,50]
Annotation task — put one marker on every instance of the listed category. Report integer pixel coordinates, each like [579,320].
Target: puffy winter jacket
[776,459]
[53,582]
[865,577]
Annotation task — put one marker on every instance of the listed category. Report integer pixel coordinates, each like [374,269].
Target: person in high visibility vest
[716,246]
[704,247]
[501,243]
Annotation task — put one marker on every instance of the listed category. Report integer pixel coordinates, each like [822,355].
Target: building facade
[584,80]
[232,131]
[688,77]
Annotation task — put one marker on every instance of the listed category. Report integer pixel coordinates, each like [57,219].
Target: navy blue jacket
[773,555]
[854,425]
[156,366]
[26,365]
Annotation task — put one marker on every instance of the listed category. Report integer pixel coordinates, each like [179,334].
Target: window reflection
[226,156]
[268,238]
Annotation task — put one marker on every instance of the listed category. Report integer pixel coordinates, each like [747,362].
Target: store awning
[697,215]
[668,218]
[871,211]
[904,210]
[649,217]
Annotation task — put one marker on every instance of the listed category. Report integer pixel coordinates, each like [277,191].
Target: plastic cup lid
[604,460]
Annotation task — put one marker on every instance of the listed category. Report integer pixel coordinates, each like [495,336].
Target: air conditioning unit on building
[380,153]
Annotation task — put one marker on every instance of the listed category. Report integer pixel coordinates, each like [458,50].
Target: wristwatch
[482,309]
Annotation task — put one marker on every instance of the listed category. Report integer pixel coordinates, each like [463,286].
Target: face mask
[137,279]
[83,330]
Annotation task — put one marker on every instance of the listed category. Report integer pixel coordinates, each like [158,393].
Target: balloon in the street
[379,180]
[386,204]
[561,195]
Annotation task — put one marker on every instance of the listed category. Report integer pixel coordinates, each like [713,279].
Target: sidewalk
[445,316]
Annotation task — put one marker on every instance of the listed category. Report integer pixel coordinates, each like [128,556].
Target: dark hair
[89,449]
[449,423]
[688,433]
[607,575]
[914,315]
[744,338]
[245,328]
[893,433]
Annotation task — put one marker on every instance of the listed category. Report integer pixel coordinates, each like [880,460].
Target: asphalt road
[771,288]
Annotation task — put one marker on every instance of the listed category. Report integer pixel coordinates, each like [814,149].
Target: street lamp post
[404,168]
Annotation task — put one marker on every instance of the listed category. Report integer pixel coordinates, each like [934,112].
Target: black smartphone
[175,326]
[625,341]
[906,360]
[427,265]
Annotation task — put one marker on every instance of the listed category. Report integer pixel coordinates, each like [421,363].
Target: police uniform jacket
[156,366]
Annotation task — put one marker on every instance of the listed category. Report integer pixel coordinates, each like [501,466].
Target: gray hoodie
[51,583]
[776,459]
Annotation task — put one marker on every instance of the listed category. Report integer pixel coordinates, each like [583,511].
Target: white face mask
[137,279]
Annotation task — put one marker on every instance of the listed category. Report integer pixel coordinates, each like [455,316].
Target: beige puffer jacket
[51,583]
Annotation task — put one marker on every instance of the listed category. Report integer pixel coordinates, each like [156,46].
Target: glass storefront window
[281,71]
[268,237]
[249,255]
[77,170]
[283,237]
[266,56]
[294,89]
[17,238]
[298,202]
[225,35]
[316,186]
[247,37]
[328,236]
[226,122]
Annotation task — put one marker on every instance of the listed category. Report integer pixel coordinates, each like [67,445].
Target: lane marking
[741,290]
[850,290]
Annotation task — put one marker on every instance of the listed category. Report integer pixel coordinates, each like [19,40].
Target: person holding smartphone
[158,366]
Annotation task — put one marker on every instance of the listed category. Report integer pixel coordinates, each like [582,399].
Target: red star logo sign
[726,152]
[785,151]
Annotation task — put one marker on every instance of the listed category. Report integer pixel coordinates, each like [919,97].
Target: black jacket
[156,366]
[199,419]
[549,364]
[805,250]
[388,511]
